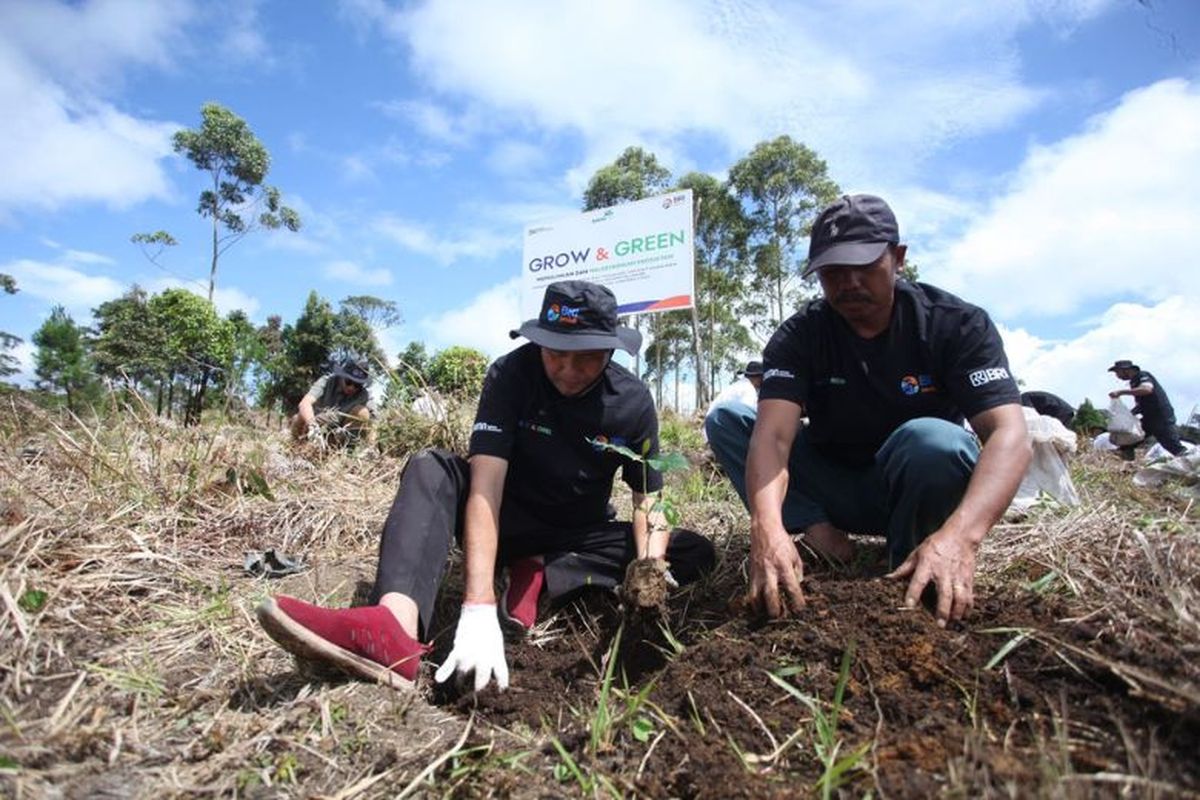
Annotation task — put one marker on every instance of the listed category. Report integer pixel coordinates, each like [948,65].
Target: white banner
[643,251]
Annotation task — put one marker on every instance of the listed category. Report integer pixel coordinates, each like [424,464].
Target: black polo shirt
[940,357]
[1154,407]
[556,475]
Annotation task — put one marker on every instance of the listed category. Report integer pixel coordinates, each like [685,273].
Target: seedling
[826,743]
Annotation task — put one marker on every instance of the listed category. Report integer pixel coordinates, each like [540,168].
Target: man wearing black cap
[885,370]
[532,496]
[1150,403]
[340,401]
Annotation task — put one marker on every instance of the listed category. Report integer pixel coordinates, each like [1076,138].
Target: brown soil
[932,718]
[645,587]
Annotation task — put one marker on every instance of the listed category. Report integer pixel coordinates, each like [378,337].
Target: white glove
[478,647]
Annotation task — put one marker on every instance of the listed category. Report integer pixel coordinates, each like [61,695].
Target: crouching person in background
[339,405]
[532,497]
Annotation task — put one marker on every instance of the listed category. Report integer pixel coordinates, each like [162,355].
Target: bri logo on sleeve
[486,427]
[984,376]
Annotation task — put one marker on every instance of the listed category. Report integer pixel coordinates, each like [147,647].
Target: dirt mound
[752,709]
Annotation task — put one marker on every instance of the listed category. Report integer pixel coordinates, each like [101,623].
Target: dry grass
[131,666]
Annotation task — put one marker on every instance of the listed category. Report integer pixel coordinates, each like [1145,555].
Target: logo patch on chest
[544,430]
[917,384]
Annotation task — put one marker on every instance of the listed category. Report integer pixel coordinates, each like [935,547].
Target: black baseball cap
[1123,363]
[578,315]
[853,231]
[753,368]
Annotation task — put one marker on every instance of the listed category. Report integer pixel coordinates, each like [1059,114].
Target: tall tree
[61,360]
[237,164]
[380,314]
[195,343]
[245,358]
[634,175]
[783,183]
[8,363]
[720,237]
[317,339]
[126,345]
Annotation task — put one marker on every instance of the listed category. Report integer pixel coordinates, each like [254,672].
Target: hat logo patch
[833,228]
[563,314]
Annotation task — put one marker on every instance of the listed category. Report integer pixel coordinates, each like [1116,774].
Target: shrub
[458,371]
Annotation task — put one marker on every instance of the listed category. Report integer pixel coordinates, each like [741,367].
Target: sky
[1042,156]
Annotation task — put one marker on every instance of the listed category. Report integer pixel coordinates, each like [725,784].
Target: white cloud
[483,323]
[76,291]
[85,257]
[351,272]
[1160,338]
[626,71]
[1107,214]
[418,238]
[516,158]
[88,44]
[62,142]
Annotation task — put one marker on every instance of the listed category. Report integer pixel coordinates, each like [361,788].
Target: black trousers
[427,515]
[1165,432]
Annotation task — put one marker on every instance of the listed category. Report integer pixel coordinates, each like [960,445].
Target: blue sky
[1042,156]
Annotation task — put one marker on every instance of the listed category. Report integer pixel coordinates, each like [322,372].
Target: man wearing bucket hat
[885,370]
[1150,402]
[340,401]
[533,496]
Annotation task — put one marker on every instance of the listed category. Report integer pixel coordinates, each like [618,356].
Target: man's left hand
[1115,393]
[948,560]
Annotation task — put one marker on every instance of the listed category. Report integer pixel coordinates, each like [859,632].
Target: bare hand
[948,560]
[773,561]
[1114,394]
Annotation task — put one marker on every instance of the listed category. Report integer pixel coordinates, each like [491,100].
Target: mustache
[851,296]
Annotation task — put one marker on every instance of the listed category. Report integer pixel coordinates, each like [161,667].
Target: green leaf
[8,763]
[643,729]
[1008,647]
[645,447]
[33,600]
[665,462]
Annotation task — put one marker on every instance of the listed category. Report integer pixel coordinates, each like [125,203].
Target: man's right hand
[774,560]
[478,647]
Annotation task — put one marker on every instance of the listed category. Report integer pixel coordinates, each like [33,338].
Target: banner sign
[643,251]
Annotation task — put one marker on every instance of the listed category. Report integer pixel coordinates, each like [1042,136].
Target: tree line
[747,229]
[174,347]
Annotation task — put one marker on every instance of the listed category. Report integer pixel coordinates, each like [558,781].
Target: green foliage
[722,307]
[125,347]
[32,601]
[378,313]
[318,338]
[195,342]
[8,363]
[458,371]
[663,462]
[783,184]
[62,362]
[237,163]
[680,433]
[1089,419]
[634,175]
[826,744]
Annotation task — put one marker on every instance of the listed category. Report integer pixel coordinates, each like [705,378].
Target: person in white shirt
[737,400]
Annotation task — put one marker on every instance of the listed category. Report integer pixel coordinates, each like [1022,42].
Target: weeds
[825,739]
